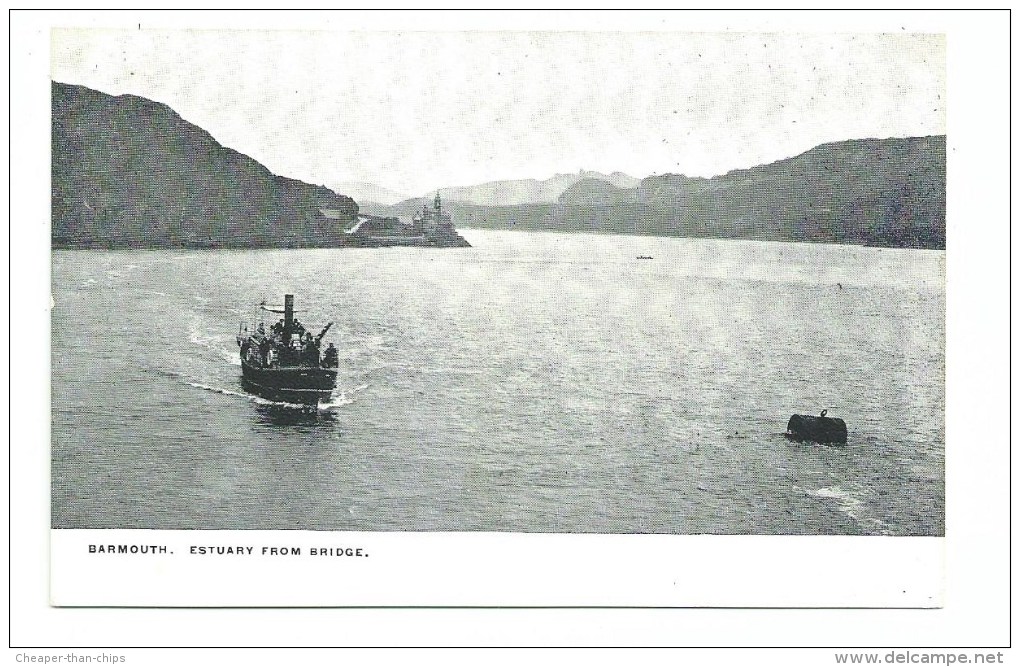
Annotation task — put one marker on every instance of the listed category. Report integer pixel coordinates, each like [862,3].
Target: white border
[168,568]
[977,547]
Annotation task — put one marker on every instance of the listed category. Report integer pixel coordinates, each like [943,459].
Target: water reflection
[285,414]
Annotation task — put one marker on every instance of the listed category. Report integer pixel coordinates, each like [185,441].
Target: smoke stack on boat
[288,317]
[821,429]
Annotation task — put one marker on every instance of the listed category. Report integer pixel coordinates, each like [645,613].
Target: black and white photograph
[291,293]
[316,293]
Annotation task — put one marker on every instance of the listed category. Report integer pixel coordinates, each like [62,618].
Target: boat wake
[345,398]
[334,404]
[217,345]
[340,400]
[221,390]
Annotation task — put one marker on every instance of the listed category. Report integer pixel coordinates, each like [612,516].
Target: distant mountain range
[884,192]
[528,191]
[361,191]
[130,172]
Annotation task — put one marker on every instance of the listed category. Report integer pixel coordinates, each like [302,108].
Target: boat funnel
[288,316]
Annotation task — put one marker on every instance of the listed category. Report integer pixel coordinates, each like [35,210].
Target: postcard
[497,318]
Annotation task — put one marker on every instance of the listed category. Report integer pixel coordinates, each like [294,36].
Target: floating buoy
[820,429]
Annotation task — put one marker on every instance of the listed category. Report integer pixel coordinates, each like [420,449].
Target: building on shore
[429,227]
[433,220]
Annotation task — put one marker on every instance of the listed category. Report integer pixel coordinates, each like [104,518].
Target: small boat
[645,257]
[286,362]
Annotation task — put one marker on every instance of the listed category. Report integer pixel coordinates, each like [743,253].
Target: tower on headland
[429,220]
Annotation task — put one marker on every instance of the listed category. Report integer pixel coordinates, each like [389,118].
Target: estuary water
[535,382]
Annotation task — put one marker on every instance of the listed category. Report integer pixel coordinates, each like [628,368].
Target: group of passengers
[303,347]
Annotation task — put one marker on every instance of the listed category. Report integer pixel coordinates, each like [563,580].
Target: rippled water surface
[534,382]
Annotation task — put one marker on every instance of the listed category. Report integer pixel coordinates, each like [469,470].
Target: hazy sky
[413,111]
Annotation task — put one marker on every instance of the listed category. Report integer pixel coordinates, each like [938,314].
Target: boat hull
[307,385]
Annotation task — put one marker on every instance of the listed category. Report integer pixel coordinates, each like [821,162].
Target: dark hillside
[130,172]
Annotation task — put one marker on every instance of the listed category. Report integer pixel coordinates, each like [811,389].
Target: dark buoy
[820,429]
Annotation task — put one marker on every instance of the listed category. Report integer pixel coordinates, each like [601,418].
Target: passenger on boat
[329,357]
[310,354]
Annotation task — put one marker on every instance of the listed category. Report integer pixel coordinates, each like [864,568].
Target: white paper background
[494,569]
[978,518]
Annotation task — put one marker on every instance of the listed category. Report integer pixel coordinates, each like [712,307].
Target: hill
[130,172]
[889,192]
[884,192]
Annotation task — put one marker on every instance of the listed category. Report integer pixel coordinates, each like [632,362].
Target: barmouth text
[127,549]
